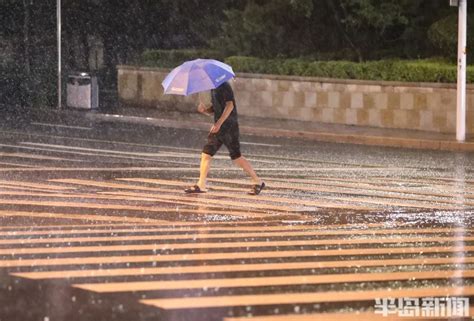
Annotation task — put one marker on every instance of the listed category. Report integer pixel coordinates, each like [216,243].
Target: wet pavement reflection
[95,226]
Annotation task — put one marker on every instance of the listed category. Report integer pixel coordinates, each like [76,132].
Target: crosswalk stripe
[209,199]
[211,233]
[378,181]
[370,188]
[237,227]
[82,217]
[17,165]
[36,185]
[233,245]
[451,180]
[108,142]
[210,209]
[133,155]
[161,210]
[60,126]
[113,287]
[190,169]
[178,270]
[21,188]
[226,256]
[107,152]
[203,198]
[379,201]
[301,298]
[73,152]
[206,198]
[39,157]
[214,237]
[46,228]
[343,316]
[272,199]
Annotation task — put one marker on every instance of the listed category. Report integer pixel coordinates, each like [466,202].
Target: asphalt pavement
[314,131]
[95,225]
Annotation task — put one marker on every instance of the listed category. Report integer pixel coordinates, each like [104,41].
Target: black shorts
[227,137]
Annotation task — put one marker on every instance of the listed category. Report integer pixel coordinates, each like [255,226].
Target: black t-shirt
[220,96]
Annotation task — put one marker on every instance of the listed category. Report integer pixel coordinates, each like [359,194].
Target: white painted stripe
[114,287]
[364,315]
[370,187]
[113,142]
[227,245]
[92,154]
[36,157]
[109,142]
[82,217]
[152,156]
[300,298]
[221,256]
[203,227]
[60,126]
[17,165]
[248,267]
[259,144]
[208,210]
[358,195]
[108,151]
[14,189]
[161,209]
[208,197]
[306,204]
[36,185]
[192,169]
[217,236]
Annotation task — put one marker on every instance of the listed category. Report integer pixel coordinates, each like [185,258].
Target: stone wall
[420,106]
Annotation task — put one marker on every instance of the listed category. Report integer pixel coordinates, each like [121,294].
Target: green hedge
[172,58]
[428,70]
[386,70]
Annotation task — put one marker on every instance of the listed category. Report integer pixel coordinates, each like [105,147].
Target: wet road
[95,226]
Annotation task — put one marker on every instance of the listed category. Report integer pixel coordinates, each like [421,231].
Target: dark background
[99,34]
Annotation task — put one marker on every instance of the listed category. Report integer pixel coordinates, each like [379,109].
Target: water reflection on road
[96,226]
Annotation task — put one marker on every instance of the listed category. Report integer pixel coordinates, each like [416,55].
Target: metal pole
[461,89]
[58,16]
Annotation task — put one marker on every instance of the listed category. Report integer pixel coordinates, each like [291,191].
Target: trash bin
[82,91]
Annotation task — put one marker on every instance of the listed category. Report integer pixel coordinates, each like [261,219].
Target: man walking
[225,131]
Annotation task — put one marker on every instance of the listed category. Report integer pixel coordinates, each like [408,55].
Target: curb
[381,141]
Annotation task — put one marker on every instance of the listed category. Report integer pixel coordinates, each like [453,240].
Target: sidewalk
[285,128]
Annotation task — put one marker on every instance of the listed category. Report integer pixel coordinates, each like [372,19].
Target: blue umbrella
[197,75]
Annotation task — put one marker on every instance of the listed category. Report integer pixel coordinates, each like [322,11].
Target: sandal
[256,189]
[194,190]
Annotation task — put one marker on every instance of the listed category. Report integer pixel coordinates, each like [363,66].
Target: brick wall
[421,106]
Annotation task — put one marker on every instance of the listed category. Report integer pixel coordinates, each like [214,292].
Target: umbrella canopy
[197,75]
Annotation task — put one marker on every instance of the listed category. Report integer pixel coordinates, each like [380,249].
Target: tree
[363,29]
[267,28]
[369,25]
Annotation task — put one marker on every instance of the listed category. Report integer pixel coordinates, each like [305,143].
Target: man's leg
[232,142]
[209,150]
[245,165]
[204,170]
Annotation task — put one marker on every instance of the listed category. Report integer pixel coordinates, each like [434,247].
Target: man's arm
[205,110]
[229,106]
